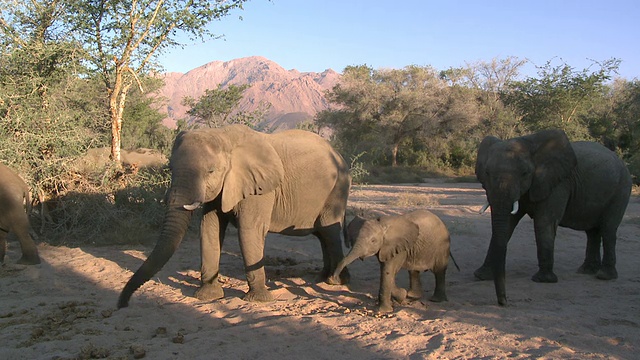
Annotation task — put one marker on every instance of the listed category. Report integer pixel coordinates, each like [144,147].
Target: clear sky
[314,35]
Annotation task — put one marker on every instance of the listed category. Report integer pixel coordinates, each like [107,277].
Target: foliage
[109,206]
[219,107]
[123,40]
[560,97]
[143,127]
[388,105]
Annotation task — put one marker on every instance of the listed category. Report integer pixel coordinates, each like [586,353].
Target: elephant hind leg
[592,262]
[608,270]
[415,286]
[27,245]
[331,252]
[439,293]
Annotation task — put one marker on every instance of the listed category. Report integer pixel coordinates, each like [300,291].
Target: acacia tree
[391,104]
[124,38]
[561,96]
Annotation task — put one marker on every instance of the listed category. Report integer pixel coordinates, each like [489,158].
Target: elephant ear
[483,156]
[352,230]
[554,161]
[399,235]
[255,169]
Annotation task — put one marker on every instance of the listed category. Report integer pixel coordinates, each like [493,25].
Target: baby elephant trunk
[335,278]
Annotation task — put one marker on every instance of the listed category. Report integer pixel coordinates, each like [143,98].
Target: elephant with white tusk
[291,182]
[580,185]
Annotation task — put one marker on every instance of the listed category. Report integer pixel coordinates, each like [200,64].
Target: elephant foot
[484,272]
[414,294]
[607,273]
[589,268]
[29,260]
[400,295]
[208,292]
[544,277]
[438,296]
[262,295]
[385,309]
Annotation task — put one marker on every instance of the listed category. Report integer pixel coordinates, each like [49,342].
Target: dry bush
[109,206]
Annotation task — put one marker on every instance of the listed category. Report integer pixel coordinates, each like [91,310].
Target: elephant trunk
[500,234]
[175,226]
[353,255]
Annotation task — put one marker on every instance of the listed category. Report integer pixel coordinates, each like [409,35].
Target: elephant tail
[454,260]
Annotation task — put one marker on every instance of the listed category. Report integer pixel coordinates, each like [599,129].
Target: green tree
[219,107]
[44,102]
[561,97]
[124,38]
[143,127]
[386,106]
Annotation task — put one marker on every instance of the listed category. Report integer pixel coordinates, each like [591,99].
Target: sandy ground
[65,307]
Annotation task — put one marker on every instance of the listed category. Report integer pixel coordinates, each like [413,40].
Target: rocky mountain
[294,96]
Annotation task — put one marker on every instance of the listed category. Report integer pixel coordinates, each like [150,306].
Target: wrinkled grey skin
[416,241]
[290,182]
[14,200]
[581,185]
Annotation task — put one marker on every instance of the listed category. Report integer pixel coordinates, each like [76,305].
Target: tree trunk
[394,155]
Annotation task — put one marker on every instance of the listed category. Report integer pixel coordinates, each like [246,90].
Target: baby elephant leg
[388,288]
[439,293]
[415,286]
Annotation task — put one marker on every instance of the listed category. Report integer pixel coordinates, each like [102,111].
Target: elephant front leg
[388,288]
[212,232]
[252,247]
[545,232]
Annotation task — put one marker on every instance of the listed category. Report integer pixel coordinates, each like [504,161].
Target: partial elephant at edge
[15,203]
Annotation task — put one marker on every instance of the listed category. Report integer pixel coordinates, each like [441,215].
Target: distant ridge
[294,96]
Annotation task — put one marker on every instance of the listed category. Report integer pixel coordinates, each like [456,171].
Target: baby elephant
[417,241]
[14,198]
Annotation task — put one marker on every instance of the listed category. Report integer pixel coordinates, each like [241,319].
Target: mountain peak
[292,94]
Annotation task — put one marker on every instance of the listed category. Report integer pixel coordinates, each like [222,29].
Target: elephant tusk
[193,206]
[516,207]
[484,208]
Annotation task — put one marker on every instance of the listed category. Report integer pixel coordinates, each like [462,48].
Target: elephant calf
[14,197]
[417,241]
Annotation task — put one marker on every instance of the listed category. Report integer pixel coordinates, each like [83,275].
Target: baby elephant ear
[399,235]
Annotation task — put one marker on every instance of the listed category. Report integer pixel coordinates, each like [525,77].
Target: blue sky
[314,35]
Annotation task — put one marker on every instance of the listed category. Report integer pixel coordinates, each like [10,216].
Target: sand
[65,307]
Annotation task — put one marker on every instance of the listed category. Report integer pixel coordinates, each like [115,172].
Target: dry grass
[409,199]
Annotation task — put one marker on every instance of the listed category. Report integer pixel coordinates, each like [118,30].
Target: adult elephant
[291,182]
[580,185]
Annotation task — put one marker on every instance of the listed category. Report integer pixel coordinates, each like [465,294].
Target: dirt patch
[64,308]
